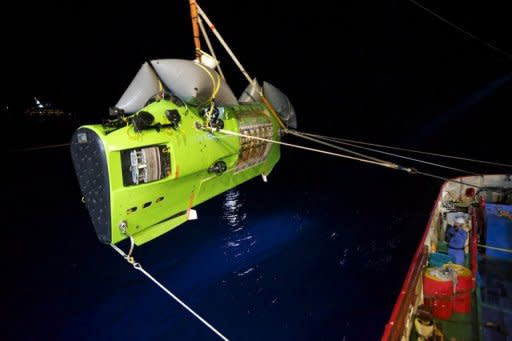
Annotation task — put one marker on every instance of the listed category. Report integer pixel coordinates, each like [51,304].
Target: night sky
[358,65]
[383,71]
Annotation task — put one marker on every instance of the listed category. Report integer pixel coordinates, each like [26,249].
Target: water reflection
[233,213]
[240,241]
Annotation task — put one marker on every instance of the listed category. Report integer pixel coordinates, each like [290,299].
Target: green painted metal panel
[155,207]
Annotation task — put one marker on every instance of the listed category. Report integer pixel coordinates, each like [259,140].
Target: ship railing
[476,228]
[400,323]
[401,319]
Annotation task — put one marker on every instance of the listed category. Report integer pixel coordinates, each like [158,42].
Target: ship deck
[491,316]
[467,301]
[491,311]
[495,284]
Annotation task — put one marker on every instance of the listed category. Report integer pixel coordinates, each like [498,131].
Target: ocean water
[317,253]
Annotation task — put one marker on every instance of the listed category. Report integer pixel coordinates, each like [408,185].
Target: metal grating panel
[90,164]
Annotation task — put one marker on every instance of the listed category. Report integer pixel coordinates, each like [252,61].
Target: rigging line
[395,155]
[139,267]
[209,44]
[51,146]
[495,248]
[446,21]
[447,179]
[240,66]
[223,43]
[416,151]
[298,134]
[386,164]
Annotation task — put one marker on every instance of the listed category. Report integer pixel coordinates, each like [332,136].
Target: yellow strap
[215,81]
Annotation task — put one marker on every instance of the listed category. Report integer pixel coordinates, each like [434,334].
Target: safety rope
[337,139]
[301,134]
[494,248]
[139,267]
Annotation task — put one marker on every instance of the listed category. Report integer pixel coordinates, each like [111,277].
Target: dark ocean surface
[317,253]
[313,256]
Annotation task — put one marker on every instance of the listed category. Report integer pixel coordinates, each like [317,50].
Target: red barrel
[438,294]
[462,298]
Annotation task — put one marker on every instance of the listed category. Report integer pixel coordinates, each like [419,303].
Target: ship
[46,124]
[443,300]
[44,111]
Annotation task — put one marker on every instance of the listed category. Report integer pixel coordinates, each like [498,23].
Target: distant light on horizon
[38,103]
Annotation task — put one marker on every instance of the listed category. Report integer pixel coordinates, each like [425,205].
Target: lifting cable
[30,149]
[317,139]
[347,141]
[128,257]
[296,133]
[223,43]
[398,167]
[386,164]
[209,44]
[203,15]
[240,67]
[378,163]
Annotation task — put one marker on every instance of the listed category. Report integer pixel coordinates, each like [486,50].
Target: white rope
[495,248]
[320,137]
[224,44]
[209,44]
[414,151]
[251,81]
[384,163]
[398,167]
[387,164]
[137,266]
[317,140]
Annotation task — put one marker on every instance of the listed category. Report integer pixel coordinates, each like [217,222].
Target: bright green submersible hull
[167,150]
